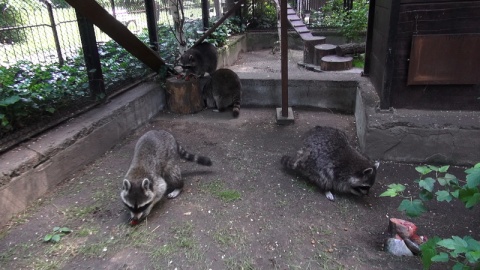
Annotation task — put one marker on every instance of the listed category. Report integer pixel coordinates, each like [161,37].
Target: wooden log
[321,51]
[350,48]
[309,43]
[336,63]
[184,97]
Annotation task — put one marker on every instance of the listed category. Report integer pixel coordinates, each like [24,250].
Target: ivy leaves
[445,187]
[57,234]
[448,187]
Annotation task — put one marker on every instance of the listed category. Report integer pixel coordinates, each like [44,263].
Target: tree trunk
[184,97]
[350,48]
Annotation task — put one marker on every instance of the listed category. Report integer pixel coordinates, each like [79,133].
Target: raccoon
[328,160]
[222,89]
[153,172]
[200,59]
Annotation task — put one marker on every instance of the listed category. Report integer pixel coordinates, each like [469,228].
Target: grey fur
[200,59]
[222,89]
[328,160]
[154,172]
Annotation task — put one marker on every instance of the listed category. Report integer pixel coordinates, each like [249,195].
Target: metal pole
[55,34]
[284,55]
[151,24]
[91,56]
[205,14]
[228,14]
[118,32]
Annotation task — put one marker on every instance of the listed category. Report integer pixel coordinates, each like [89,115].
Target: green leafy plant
[262,15]
[229,27]
[57,234]
[445,187]
[352,23]
[11,17]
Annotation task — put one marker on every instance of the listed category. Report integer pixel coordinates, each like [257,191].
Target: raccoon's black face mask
[137,211]
[363,182]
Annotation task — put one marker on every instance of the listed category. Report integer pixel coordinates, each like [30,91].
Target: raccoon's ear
[368,171]
[147,184]
[126,185]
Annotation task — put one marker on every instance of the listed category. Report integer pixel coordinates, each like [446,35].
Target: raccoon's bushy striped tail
[288,162]
[193,158]
[236,108]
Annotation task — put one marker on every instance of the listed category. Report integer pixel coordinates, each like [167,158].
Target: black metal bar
[151,24]
[118,32]
[91,56]
[386,96]
[114,12]
[369,41]
[284,55]
[220,21]
[205,14]
[55,34]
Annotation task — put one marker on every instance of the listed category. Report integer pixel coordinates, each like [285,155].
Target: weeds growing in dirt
[57,234]
[465,252]
[218,190]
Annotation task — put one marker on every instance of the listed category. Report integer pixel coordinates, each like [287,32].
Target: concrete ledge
[332,91]
[228,54]
[40,164]
[415,136]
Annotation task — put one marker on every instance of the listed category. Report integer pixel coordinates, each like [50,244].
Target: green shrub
[352,23]
[11,17]
[229,27]
[445,187]
[33,91]
[262,15]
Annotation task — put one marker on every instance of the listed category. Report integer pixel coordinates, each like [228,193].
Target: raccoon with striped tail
[222,89]
[154,172]
[328,160]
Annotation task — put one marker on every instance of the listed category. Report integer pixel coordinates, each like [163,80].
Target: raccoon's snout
[361,190]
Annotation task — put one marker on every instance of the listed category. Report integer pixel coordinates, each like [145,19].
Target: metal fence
[40,31]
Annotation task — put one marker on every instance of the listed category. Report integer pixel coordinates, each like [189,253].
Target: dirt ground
[244,212]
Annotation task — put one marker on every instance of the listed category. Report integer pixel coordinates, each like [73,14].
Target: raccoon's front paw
[174,193]
[330,196]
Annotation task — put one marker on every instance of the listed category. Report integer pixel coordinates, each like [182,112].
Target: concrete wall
[336,94]
[30,170]
[416,136]
[228,54]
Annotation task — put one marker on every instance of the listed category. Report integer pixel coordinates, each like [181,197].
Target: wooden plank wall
[420,17]
[379,44]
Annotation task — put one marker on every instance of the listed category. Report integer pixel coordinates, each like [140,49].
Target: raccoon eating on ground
[328,160]
[154,172]
[200,59]
[222,89]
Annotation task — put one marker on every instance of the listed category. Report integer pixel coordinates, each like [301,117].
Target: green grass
[359,61]
[229,237]
[81,211]
[218,190]
[239,264]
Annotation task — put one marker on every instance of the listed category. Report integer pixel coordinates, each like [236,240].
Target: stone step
[322,50]
[336,63]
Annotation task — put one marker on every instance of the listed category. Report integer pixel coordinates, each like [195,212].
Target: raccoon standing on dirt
[222,89]
[154,172]
[328,160]
[200,59]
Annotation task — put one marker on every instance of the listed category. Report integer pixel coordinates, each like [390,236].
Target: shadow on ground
[244,212]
